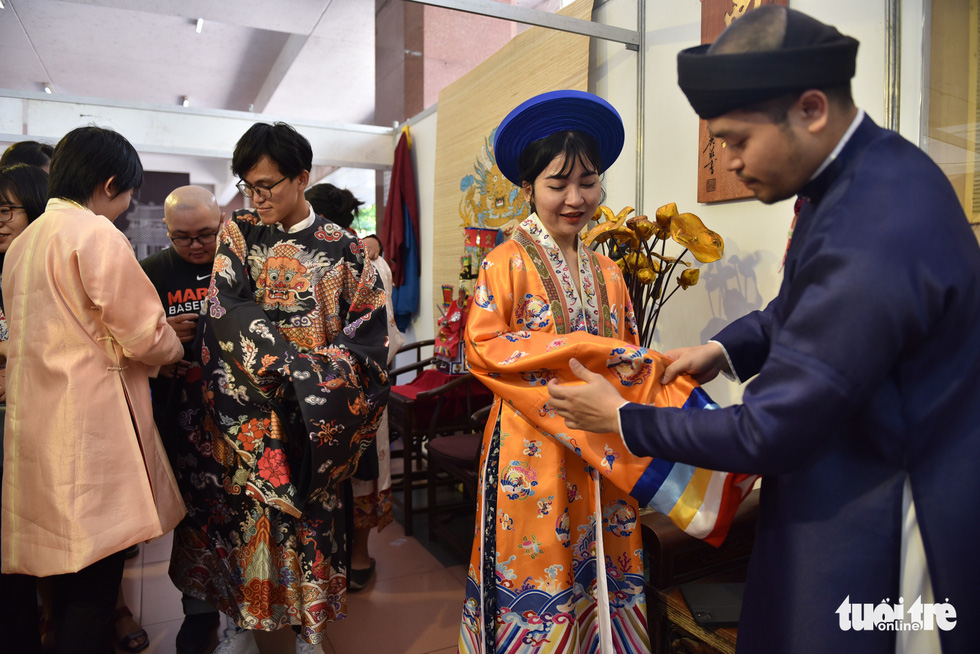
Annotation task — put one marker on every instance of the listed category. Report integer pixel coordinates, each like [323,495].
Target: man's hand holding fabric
[590,406]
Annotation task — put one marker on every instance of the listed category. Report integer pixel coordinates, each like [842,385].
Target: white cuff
[729,374]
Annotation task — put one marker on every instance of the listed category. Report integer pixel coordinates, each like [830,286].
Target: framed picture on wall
[715,183]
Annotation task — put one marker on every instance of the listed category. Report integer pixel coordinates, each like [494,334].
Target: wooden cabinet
[674,631]
[674,558]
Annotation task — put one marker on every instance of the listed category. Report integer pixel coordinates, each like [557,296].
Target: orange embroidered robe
[557,561]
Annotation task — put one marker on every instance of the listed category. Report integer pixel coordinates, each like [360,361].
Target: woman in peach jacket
[85,472]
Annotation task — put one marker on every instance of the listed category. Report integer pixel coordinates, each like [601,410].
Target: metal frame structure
[893,63]
[634,40]
[213,132]
[206,134]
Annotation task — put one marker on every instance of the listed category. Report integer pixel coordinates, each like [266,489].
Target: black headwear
[813,55]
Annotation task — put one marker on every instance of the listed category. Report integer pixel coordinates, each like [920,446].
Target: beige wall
[755,234]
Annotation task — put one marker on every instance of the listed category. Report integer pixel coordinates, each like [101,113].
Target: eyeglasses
[7,212]
[264,192]
[184,241]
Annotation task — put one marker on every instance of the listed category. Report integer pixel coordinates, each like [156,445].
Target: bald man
[181,275]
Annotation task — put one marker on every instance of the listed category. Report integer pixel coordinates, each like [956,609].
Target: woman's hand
[590,406]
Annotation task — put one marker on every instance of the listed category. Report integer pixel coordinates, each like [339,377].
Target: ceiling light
[47,88]
[200,25]
[184,100]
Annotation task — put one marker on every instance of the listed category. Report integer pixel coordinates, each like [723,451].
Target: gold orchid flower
[688,278]
[663,217]
[634,261]
[604,230]
[647,276]
[642,226]
[688,230]
[637,245]
[625,237]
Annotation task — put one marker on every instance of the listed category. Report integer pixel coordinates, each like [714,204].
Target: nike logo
[208,276]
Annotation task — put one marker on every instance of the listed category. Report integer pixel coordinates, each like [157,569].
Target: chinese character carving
[739,7]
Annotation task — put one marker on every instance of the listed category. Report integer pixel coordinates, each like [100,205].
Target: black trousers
[84,606]
[20,629]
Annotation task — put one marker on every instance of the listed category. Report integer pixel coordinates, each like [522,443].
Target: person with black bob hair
[23,186]
[22,191]
[32,153]
[96,166]
[336,204]
[85,330]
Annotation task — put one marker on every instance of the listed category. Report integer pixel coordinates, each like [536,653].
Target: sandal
[358,579]
[136,641]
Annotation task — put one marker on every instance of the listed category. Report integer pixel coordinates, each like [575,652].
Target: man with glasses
[181,275]
[276,190]
[292,384]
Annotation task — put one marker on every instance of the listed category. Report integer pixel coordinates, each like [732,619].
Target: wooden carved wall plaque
[715,182]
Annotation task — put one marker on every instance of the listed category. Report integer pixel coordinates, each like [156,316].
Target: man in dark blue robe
[863,416]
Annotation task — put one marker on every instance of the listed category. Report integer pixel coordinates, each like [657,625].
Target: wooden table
[674,631]
[674,558]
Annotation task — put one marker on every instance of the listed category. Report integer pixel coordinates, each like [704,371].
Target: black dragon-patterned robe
[289,392]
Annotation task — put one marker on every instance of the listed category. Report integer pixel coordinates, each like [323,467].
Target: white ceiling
[298,60]
[311,59]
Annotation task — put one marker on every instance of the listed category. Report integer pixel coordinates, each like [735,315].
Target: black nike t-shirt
[180,284]
[182,287]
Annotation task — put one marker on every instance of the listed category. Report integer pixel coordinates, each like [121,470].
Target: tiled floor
[412,607]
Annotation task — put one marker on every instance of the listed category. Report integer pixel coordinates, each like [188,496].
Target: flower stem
[667,274]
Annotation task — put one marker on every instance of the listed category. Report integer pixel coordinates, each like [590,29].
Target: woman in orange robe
[557,560]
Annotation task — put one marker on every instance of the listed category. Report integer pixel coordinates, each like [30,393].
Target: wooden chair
[419,364]
[454,460]
[433,403]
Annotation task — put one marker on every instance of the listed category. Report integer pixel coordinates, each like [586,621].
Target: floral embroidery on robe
[289,393]
[557,560]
